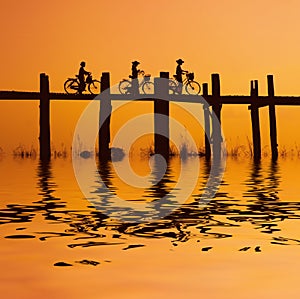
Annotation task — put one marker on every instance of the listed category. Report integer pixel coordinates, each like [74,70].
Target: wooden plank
[19,95]
[224,99]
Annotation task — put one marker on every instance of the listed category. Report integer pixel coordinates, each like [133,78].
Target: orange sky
[241,40]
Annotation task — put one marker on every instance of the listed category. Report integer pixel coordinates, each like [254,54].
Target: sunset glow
[240,40]
[130,200]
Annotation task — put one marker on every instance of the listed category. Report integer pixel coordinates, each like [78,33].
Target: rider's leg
[81,87]
[179,87]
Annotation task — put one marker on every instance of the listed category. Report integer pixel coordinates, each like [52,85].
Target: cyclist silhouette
[134,70]
[179,72]
[81,77]
[134,76]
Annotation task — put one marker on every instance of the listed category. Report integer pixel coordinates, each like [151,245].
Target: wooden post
[255,121]
[161,115]
[272,118]
[206,122]
[216,119]
[45,150]
[104,118]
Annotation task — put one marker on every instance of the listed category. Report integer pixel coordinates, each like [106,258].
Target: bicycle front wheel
[94,87]
[193,88]
[148,88]
[71,86]
[124,87]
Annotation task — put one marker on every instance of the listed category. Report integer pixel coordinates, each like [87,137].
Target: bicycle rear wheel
[71,86]
[125,87]
[148,88]
[94,87]
[172,87]
[193,88]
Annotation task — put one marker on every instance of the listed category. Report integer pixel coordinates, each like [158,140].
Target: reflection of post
[45,184]
[274,177]
[272,118]
[104,119]
[255,182]
[255,121]
[206,122]
[159,191]
[262,188]
[216,120]
[45,151]
[161,115]
[105,171]
[49,204]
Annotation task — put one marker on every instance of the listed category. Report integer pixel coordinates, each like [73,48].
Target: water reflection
[154,201]
[49,204]
[190,220]
[220,217]
[264,208]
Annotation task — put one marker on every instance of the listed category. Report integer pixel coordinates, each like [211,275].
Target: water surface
[55,242]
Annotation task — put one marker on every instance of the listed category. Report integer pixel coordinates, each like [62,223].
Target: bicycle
[72,85]
[191,87]
[125,86]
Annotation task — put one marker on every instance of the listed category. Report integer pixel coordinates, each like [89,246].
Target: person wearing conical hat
[81,77]
[134,70]
[134,76]
[179,70]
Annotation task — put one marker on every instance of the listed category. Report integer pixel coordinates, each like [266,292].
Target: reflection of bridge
[161,106]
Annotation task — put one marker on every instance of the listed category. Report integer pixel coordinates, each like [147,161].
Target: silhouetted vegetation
[22,152]
[236,151]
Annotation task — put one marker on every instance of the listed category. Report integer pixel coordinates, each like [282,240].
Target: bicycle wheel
[125,87]
[71,86]
[94,87]
[148,88]
[172,87]
[193,88]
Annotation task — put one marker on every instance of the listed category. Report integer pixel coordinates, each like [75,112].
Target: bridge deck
[225,99]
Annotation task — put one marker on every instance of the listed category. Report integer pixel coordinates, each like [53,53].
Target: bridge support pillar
[44,138]
[161,116]
[254,107]
[207,130]
[104,118]
[216,118]
[272,118]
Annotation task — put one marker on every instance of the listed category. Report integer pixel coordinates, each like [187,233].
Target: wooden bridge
[212,125]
